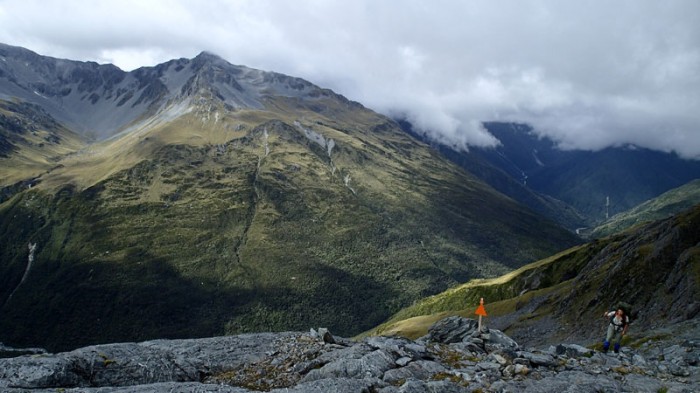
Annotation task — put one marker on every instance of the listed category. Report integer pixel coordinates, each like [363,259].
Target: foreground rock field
[453,357]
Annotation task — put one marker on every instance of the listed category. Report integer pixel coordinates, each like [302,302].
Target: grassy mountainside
[31,142]
[665,205]
[655,268]
[213,220]
[497,169]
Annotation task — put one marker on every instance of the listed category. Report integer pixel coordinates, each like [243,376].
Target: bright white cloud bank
[589,74]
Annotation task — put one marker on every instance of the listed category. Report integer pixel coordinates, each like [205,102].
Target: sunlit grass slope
[655,267]
[31,142]
[665,205]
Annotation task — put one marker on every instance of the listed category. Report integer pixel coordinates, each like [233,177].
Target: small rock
[521,369]
[522,361]
[326,336]
[572,350]
[489,366]
[544,360]
[403,361]
[499,359]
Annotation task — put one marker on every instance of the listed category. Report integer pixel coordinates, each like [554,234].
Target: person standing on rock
[617,328]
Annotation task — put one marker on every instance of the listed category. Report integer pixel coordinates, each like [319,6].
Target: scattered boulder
[452,330]
[571,350]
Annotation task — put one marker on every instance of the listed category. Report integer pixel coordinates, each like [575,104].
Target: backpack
[626,308]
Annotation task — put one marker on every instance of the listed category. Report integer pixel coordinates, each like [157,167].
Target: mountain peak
[208,57]
[208,54]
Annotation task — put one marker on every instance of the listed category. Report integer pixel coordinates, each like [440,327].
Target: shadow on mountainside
[73,304]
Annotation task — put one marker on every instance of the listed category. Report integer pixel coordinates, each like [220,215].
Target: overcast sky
[590,74]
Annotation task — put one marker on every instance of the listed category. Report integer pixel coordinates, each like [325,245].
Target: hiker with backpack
[617,328]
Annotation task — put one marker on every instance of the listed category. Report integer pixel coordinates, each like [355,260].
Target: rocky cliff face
[454,357]
[100,100]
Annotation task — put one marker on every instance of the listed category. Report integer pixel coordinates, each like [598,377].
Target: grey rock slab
[42,371]
[403,361]
[135,364]
[354,352]
[415,386]
[452,330]
[335,385]
[373,364]
[164,387]
[378,342]
[420,370]
[489,366]
[572,350]
[499,340]
[640,383]
[563,382]
[416,351]
[539,359]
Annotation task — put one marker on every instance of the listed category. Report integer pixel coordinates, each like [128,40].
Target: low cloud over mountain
[588,75]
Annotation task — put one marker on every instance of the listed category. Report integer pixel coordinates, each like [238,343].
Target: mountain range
[197,198]
[576,188]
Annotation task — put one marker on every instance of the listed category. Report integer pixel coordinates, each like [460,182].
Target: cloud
[588,74]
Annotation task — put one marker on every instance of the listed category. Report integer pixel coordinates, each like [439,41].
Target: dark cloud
[589,74]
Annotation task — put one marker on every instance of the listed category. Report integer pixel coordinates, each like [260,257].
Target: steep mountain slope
[597,183]
[655,268]
[497,171]
[575,188]
[665,205]
[89,98]
[31,142]
[245,201]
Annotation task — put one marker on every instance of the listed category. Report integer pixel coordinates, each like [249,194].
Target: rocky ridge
[100,100]
[453,357]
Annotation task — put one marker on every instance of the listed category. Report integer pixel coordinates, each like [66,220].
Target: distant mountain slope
[665,205]
[585,180]
[575,188]
[244,201]
[497,171]
[655,268]
[31,142]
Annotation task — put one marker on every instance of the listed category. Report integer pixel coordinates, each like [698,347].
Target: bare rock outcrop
[453,357]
